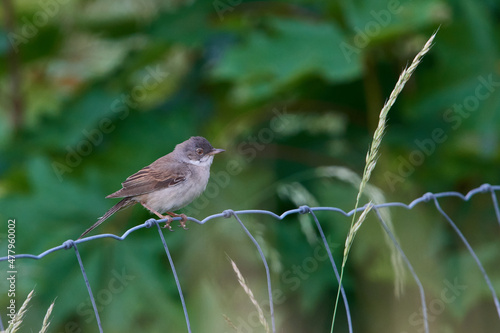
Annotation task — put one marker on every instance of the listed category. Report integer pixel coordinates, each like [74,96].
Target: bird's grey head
[197,150]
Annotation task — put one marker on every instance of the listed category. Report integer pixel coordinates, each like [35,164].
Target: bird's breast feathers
[177,196]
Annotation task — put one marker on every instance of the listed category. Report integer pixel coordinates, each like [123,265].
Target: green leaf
[265,62]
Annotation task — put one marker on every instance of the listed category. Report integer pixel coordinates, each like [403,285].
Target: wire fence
[428,197]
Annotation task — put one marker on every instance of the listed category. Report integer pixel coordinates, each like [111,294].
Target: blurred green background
[91,91]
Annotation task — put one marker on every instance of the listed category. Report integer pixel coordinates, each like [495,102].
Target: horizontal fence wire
[428,197]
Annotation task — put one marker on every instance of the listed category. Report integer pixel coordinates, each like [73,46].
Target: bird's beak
[216,151]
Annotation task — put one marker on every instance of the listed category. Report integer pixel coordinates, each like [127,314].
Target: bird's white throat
[204,161]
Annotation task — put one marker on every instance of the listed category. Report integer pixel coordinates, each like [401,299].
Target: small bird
[169,183]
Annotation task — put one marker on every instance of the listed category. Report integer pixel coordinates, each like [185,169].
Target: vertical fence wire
[495,204]
[472,253]
[307,209]
[71,244]
[174,272]
[228,213]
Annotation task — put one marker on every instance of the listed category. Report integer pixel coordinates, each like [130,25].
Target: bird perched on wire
[169,183]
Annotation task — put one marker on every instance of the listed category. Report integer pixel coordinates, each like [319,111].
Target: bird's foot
[167,224]
[166,217]
[183,221]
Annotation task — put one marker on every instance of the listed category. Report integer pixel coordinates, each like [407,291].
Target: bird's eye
[199,151]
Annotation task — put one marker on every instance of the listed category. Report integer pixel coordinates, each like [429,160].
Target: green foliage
[285,88]
[278,60]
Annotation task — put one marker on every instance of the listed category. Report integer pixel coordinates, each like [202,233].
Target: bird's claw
[167,224]
[183,222]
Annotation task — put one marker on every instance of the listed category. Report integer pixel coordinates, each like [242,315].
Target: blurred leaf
[265,62]
[188,25]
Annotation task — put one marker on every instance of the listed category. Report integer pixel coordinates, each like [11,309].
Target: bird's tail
[124,203]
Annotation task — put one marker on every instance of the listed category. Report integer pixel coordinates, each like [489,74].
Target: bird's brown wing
[149,179]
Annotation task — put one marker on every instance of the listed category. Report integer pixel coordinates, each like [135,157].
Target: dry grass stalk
[230,323]
[18,318]
[375,195]
[372,155]
[249,292]
[355,228]
[46,322]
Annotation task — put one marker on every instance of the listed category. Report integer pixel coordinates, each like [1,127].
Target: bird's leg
[182,221]
[168,218]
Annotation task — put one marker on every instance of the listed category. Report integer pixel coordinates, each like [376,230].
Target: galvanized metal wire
[428,197]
